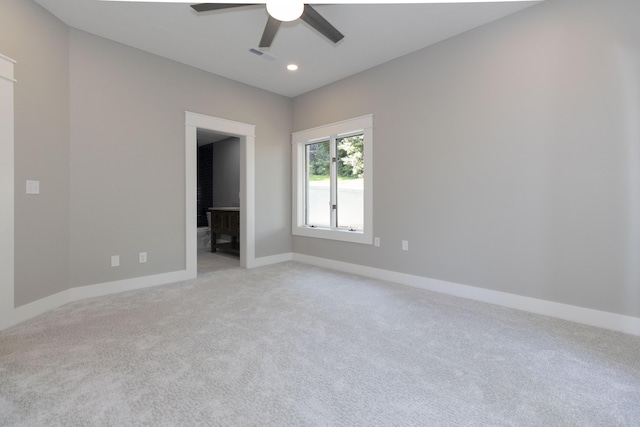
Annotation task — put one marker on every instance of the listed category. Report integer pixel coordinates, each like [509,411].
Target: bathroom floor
[214,261]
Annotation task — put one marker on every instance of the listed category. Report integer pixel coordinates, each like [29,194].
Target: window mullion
[333,153]
[306,183]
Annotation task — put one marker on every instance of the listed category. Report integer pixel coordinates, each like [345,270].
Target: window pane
[351,182]
[318,192]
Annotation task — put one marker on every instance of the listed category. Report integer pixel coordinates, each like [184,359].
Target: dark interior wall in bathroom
[218,176]
[205,182]
[226,172]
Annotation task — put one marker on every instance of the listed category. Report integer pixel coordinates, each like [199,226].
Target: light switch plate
[115,260]
[33,187]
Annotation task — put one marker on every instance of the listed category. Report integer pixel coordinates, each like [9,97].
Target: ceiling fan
[290,10]
[279,12]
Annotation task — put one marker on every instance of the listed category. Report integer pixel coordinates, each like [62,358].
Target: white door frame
[7,218]
[246,133]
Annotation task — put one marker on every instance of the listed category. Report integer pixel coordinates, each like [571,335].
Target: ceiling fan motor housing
[300,10]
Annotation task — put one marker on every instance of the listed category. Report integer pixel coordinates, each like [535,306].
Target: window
[332,181]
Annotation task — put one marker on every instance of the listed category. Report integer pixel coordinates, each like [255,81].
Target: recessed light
[292,67]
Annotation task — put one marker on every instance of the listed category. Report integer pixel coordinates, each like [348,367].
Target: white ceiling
[219,42]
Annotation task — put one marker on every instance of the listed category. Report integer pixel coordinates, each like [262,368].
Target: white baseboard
[35,308]
[273,259]
[587,316]
[601,319]
[27,311]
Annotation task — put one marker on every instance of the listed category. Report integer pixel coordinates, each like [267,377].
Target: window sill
[339,235]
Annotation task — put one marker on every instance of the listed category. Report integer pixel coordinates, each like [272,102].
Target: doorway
[218,200]
[246,134]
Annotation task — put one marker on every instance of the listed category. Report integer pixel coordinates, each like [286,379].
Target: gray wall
[226,172]
[127,157]
[40,44]
[101,126]
[508,156]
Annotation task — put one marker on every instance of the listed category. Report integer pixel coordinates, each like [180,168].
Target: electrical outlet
[405,245]
[33,187]
[142,257]
[115,260]
[376,241]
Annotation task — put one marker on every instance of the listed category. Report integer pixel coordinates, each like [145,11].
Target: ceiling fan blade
[313,18]
[204,7]
[270,31]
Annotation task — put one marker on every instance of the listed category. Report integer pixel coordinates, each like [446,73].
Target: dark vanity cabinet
[225,225]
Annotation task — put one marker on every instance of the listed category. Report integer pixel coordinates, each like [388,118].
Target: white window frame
[299,140]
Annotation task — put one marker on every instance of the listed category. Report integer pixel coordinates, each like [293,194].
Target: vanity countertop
[227,208]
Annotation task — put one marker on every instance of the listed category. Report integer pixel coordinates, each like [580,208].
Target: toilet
[204,234]
[204,237]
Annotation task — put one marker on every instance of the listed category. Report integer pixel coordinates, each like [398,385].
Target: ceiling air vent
[262,54]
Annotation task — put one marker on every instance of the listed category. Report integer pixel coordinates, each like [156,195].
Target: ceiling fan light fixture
[285,10]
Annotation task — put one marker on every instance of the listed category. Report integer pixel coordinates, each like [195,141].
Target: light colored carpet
[292,344]
[215,261]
